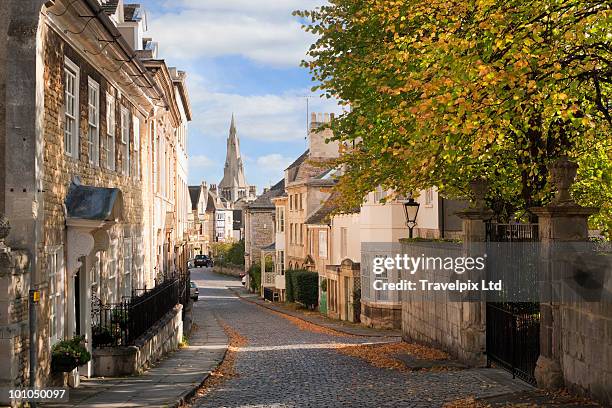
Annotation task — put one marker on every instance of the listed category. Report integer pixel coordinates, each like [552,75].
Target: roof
[194,194]
[299,160]
[322,214]
[110,6]
[264,200]
[94,203]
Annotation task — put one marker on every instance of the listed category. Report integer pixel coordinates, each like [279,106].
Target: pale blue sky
[241,56]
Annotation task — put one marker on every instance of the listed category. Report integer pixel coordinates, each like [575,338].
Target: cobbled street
[284,366]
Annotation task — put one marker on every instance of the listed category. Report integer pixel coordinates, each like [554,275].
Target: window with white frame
[111,124]
[111,271]
[154,155]
[280,262]
[280,219]
[429,196]
[136,125]
[322,244]
[127,267]
[93,118]
[125,140]
[55,268]
[71,109]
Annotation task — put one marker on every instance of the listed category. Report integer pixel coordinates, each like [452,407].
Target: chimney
[213,188]
[252,191]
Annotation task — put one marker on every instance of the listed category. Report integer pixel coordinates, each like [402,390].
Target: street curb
[185,396]
[261,304]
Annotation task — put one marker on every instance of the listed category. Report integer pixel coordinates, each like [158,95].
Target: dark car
[202,261]
[194,292]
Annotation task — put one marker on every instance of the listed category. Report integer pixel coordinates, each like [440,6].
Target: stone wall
[161,339]
[456,327]
[381,315]
[260,225]
[14,287]
[586,344]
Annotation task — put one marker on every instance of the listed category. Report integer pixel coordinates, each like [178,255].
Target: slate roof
[110,7]
[265,200]
[299,160]
[94,203]
[194,194]
[322,214]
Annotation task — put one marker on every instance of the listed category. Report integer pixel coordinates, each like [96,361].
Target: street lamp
[411,209]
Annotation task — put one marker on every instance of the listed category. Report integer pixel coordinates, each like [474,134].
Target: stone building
[259,224]
[201,219]
[82,105]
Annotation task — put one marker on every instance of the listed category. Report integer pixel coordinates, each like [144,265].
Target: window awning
[94,203]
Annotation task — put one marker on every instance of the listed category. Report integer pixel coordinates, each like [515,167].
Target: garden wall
[161,339]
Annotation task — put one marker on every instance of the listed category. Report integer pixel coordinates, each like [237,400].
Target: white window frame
[71,137]
[136,127]
[93,120]
[322,244]
[56,273]
[281,219]
[343,243]
[125,139]
[111,272]
[111,125]
[429,197]
[127,267]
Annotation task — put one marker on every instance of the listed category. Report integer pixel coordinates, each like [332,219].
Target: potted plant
[69,354]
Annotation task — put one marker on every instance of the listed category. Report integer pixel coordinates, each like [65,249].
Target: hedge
[302,287]
[255,277]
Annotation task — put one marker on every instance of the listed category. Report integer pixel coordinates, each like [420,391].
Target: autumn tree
[445,91]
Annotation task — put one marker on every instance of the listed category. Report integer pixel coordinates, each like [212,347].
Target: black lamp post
[411,209]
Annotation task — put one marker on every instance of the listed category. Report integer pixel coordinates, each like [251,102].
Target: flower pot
[64,364]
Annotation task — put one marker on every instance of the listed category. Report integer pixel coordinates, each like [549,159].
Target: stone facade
[52,75]
[260,223]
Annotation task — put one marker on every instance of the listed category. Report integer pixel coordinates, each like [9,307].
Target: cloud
[274,163]
[200,161]
[268,117]
[263,31]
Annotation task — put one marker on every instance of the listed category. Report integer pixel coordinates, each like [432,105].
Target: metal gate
[513,328]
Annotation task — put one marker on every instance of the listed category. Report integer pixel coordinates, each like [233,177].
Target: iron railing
[120,324]
[513,328]
[511,232]
[513,337]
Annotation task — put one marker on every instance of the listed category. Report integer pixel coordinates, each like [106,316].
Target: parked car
[194,292]
[202,261]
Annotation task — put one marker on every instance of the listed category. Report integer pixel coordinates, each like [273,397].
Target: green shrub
[255,277]
[228,253]
[289,286]
[69,354]
[302,286]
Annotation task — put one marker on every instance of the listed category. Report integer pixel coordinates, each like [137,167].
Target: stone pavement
[283,365]
[169,382]
[315,318]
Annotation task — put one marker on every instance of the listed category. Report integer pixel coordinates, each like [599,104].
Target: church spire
[233,185]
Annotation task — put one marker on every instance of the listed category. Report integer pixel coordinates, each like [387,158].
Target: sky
[241,57]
